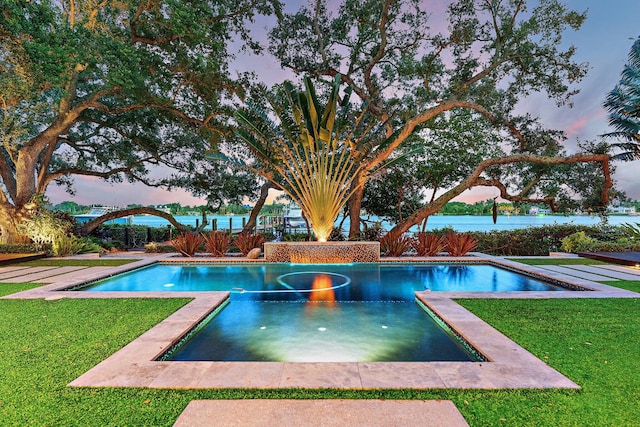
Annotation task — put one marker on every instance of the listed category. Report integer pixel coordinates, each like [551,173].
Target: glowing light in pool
[168,285]
[384,326]
[322,290]
[263,327]
[322,329]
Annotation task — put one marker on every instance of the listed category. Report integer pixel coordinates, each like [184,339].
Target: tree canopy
[410,74]
[110,89]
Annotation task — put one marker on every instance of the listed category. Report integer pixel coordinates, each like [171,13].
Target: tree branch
[93,224]
[474,179]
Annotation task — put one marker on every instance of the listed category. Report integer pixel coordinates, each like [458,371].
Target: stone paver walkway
[87,273]
[48,274]
[629,270]
[325,413]
[568,270]
[600,270]
[23,273]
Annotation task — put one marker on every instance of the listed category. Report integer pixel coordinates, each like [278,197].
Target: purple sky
[603,41]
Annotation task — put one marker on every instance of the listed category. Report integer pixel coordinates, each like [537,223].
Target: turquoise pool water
[322,313]
[367,281]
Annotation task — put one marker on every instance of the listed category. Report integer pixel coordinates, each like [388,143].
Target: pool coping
[508,366]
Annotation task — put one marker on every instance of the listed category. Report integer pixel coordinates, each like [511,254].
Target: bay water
[457,222]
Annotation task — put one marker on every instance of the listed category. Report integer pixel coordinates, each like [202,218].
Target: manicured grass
[98,262]
[630,285]
[12,288]
[47,344]
[557,261]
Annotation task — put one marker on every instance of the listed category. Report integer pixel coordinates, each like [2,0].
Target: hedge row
[23,248]
[536,241]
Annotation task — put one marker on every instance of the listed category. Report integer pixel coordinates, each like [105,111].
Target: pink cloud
[579,126]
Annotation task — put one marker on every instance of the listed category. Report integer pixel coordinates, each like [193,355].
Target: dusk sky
[603,41]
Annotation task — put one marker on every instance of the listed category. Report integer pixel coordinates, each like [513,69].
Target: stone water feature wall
[322,253]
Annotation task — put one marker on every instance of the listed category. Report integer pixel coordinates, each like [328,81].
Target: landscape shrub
[23,248]
[72,245]
[535,241]
[337,235]
[247,241]
[295,237]
[268,236]
[577,242]
[373,232]
[187,244]
[124,236]
[391,245]
[428,244]
[217,243]
[158,248]
[459,244]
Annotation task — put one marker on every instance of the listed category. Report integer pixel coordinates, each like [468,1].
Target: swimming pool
[375,281]
[322,312]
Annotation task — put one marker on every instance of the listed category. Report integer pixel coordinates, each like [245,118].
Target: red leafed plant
[247,241]
[187,244]
[217,243]
[391,245]
[458,244]
[428,244]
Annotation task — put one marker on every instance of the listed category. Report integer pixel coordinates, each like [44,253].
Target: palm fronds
[623,104]
[306,155]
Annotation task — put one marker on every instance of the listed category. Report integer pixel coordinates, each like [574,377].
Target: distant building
[622,210]
[535,210]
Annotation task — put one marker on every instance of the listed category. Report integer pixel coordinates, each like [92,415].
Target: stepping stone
[23,272]
[606,272]
[42,274]
[576,273]
[326,413]
[628,270]
[9,269]
[87,272]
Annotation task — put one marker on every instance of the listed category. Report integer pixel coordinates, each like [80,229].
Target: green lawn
[593,342]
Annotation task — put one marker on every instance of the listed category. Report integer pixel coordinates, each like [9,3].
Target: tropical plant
[217,243]
[577,242]
[246,241]
[71,245]
[307,153]
[459,244]
[392,245]
[428,244]
[623,104]
[187,243]
[631,230]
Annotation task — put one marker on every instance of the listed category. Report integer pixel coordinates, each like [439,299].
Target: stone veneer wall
[322,253]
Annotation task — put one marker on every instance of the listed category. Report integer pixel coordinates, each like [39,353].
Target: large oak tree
[109,89]
[409,67]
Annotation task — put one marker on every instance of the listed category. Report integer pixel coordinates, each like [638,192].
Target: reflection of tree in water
[441,276]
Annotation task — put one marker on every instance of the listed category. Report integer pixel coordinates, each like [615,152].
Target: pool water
[322,312]
[370,282]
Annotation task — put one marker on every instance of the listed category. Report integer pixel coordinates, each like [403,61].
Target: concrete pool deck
[508,365]
[325,413]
